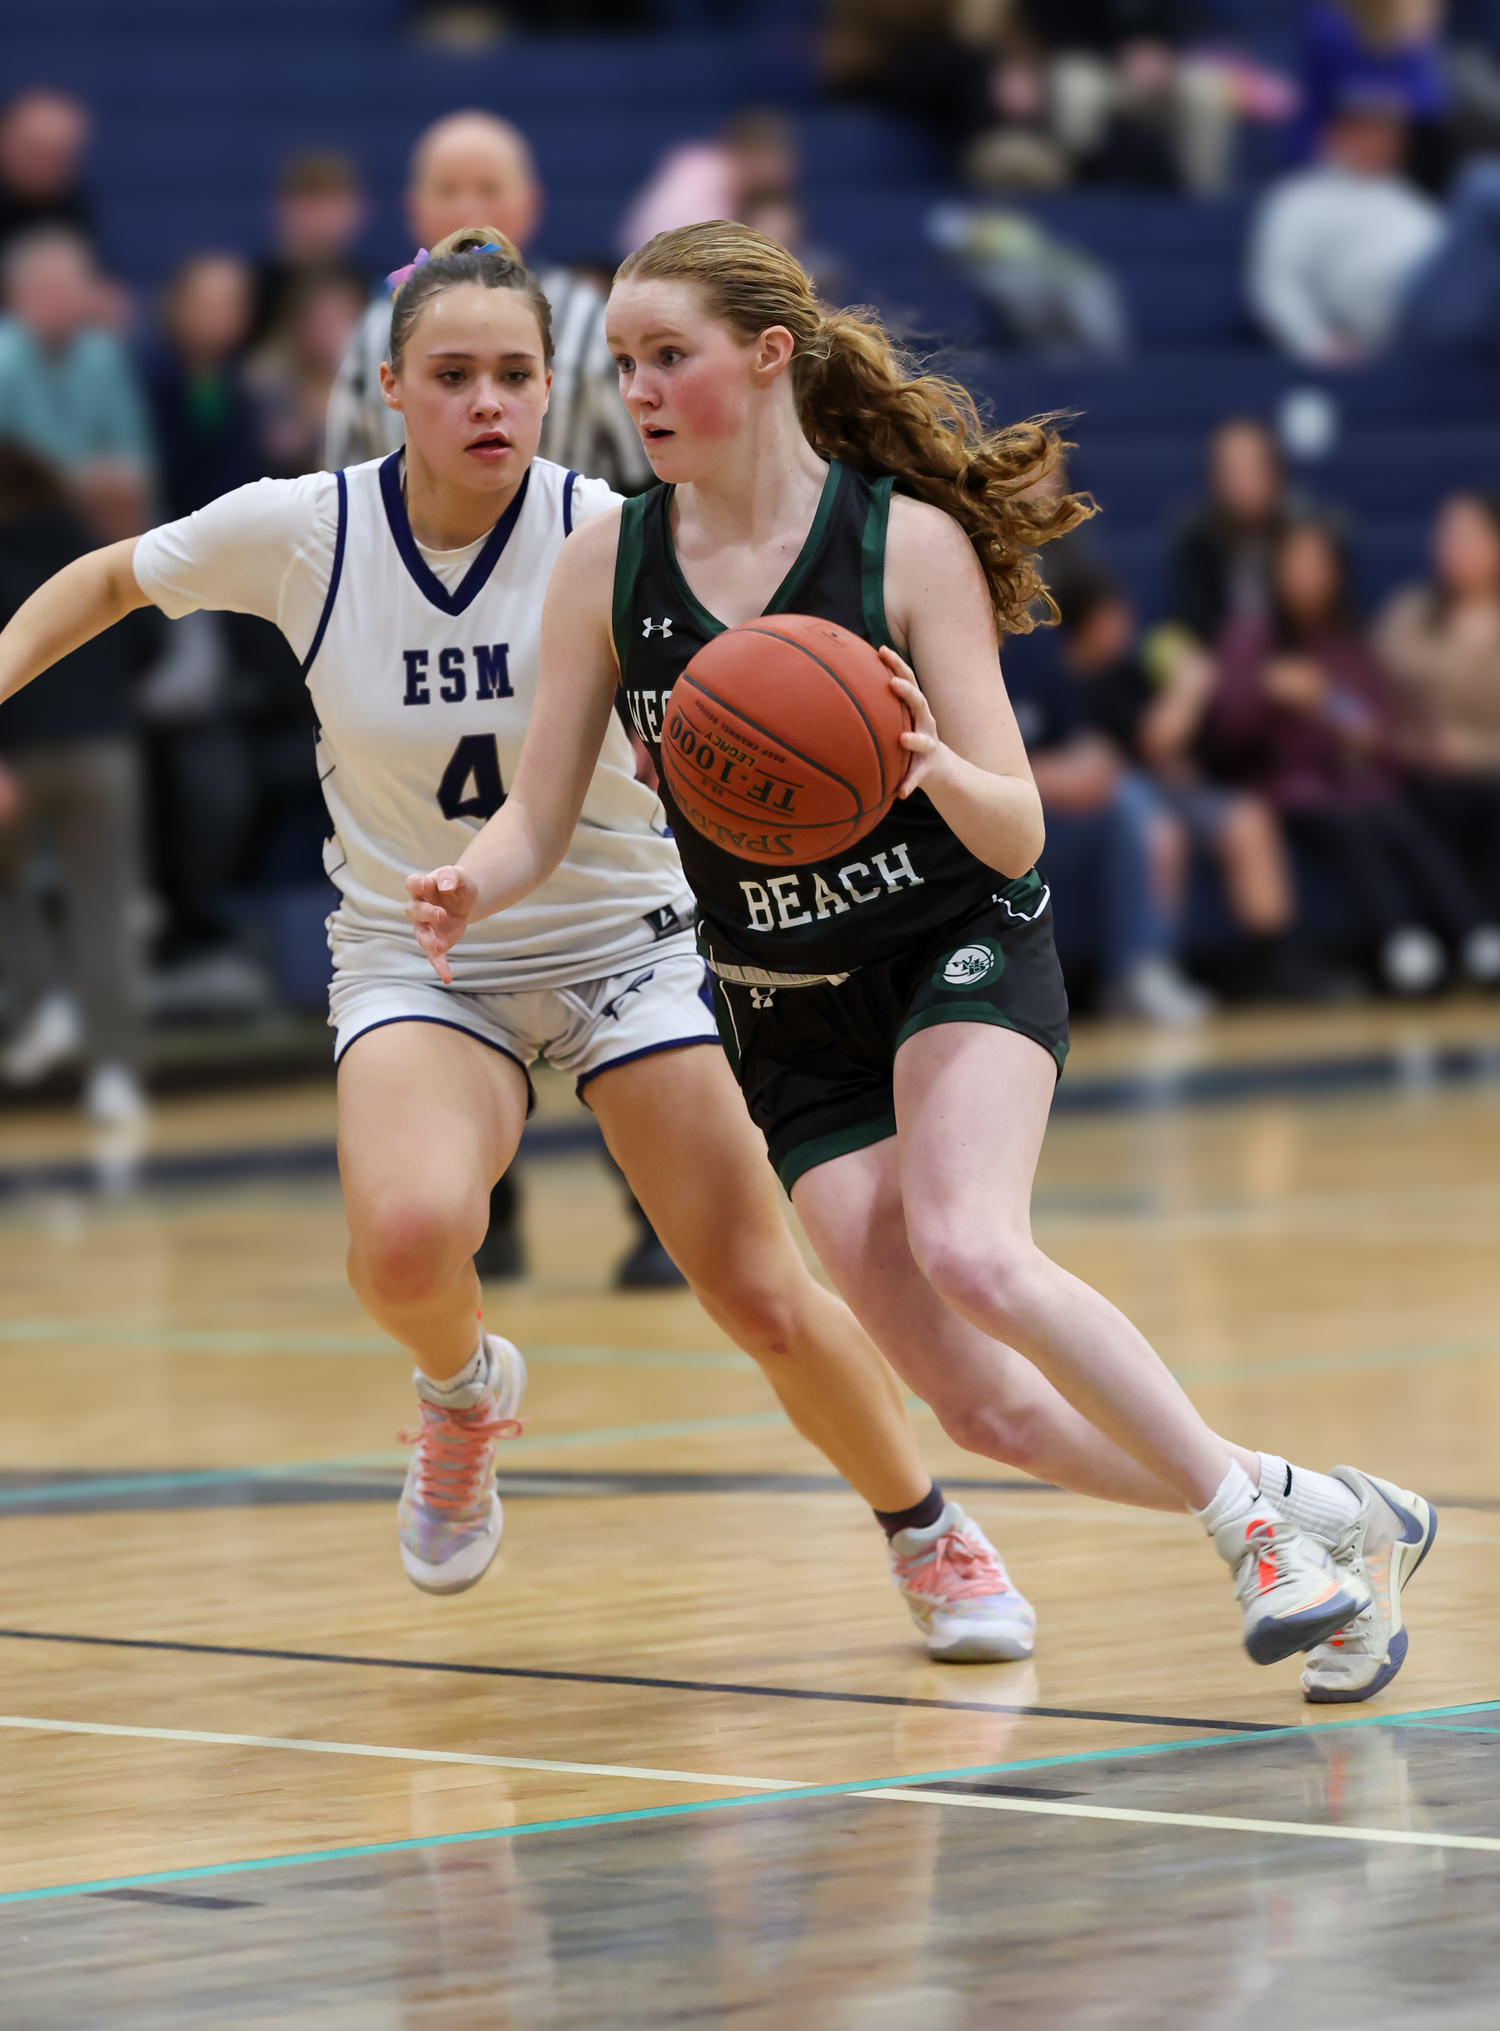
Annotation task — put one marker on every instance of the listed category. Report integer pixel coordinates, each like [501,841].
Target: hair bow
[399,275]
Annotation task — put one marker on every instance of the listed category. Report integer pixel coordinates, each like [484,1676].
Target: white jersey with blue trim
[423,672]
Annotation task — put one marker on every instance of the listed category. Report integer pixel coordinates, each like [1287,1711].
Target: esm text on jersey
[491,674]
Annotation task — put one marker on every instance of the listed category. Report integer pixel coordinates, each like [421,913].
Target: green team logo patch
[970,966]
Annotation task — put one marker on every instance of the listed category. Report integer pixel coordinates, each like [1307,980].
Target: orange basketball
[782,741]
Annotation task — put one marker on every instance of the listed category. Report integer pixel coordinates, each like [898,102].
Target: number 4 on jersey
[475,760]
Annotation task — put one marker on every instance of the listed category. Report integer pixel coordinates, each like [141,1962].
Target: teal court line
[210,1477]
[103,1332]
[126,1484]
[199,1872]
[1335,1364]
[1352,1360]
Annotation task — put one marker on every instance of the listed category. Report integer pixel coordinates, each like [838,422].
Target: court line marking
[1138,1816]
[93,1491]
[1428,1356]
[94,1494]
[1238,1730]
[1352,1361]
[211,1738]
[208,1477]
[865,1788]
[178,1646]
[271,1340]
[205,1736]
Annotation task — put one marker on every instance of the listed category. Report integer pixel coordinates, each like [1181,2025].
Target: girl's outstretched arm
[86,597]
[529,834]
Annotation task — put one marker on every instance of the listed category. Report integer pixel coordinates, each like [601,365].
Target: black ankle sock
[918,1517]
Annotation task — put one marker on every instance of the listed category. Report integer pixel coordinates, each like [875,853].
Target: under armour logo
[650,628]
[763,997]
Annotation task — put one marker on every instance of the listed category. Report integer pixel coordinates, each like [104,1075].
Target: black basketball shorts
[816,1064]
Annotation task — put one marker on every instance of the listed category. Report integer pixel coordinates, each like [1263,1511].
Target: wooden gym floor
[679,1760]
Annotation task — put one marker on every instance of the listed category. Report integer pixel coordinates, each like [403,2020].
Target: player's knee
[758,1316]
[995,1430]
[409,1252]
[984,1276]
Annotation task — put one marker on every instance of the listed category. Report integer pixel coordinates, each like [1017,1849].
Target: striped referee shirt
[586,428]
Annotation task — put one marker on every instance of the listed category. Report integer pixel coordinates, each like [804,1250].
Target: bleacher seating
[196,105]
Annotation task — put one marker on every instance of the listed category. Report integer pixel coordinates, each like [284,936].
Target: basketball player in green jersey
[895,1015]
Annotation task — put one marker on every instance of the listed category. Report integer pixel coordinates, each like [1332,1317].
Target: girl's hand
[1295,682]
[441,905]
[922,744]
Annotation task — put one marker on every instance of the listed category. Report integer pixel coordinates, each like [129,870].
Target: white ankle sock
[1316,1503]
[1234,1497]
[475,1369]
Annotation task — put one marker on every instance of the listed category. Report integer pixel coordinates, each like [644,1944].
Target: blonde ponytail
[864,403]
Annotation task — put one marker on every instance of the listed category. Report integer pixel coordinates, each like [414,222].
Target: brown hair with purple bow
[474,254]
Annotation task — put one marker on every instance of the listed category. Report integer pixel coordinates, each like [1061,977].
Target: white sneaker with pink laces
[961,1597]
[449,1519]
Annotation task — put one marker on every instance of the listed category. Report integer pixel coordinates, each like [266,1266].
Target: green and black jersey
[904,880]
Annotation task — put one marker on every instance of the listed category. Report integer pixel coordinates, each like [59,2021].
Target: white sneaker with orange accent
[1384,1545]
[1293,1595]
[961,1597]
[449,1520]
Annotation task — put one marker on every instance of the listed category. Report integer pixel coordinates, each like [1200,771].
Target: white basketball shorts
[585,1029]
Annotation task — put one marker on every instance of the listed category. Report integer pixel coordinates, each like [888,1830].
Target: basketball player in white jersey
[412,589]
[474,169]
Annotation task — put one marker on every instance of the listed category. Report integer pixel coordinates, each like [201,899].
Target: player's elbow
[122,591]
[1025,837]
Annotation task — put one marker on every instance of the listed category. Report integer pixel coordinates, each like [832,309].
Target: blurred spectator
[68,746]
[293,373]
[1472,58]
[43,135]
[751,174]
[1440,645]
[1453,301]
[320,212]
[1108,835]
[1221,561]
[1154,719]
[459,26]
[754,159]
[204,419]
[474,170]
[1388,51]
[200,766]
[1128,102]
[1334,247]
[1303,715]
[778,215]
[1050,297]
[465,25]
[67,388]
[963,68]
